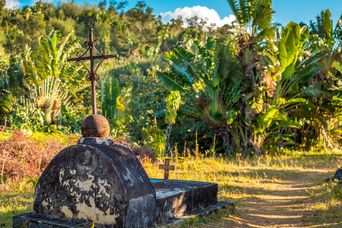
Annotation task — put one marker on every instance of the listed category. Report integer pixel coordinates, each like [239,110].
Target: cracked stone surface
[99,181]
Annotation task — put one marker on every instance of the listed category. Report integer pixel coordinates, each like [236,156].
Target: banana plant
[255,16]
[287,94]
[290,47]
[323,28]
[51,81]
[217,90]
[209,78]
[326,41]
[42,109]
[50,60]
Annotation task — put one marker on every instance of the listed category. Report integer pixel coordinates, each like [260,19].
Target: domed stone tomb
[101,183]
[96,180]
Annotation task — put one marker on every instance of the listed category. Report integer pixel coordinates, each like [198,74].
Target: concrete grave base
[176,201]
[35,221]
[179,200]
[32,220]
[175,198]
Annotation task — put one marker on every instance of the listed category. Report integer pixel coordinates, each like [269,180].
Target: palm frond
[169,81]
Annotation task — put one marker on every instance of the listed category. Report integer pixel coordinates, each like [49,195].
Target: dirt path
[281,203]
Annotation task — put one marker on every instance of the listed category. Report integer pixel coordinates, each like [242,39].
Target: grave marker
[93,77]
[166,167]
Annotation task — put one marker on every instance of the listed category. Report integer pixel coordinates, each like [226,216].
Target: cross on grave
[166,167]
[93,77]
[94,125]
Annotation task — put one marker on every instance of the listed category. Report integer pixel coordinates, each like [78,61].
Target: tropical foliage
[261,88]
[247,88]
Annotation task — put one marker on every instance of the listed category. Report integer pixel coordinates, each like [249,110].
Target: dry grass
[278,191]
[21,157]
[272,191]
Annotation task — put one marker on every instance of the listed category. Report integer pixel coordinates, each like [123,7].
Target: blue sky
[286,10]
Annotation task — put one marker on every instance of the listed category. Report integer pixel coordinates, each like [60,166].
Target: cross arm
[93,57]
[167,167]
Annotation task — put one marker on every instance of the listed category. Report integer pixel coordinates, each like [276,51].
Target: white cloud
[203,12]
[46,1]
[12,4]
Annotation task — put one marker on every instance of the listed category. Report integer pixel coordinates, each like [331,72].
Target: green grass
[15,197]
[14,203]
[241,181]
[43,137]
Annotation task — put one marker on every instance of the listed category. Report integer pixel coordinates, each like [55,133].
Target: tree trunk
[224,134]
[168,146]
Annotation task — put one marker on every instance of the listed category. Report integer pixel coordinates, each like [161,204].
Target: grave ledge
[198,213]
[35,221]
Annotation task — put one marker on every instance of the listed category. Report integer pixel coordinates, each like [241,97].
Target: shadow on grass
[298,181]
[274,175]
[315,161]
[295,205]
[212,220]
[328,201]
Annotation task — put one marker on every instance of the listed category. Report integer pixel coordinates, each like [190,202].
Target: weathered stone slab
[175,198]
[37,221]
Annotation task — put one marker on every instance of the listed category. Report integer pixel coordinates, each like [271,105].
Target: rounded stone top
[95,126]
[98,181]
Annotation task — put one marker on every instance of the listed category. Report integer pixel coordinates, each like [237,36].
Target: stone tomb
[103,183]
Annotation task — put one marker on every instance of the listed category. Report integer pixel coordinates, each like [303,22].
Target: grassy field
[271,191]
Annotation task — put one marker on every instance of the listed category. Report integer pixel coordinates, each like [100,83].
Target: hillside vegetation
[249,88]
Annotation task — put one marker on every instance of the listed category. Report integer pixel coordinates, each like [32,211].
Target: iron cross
[166,167]
[93,77]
